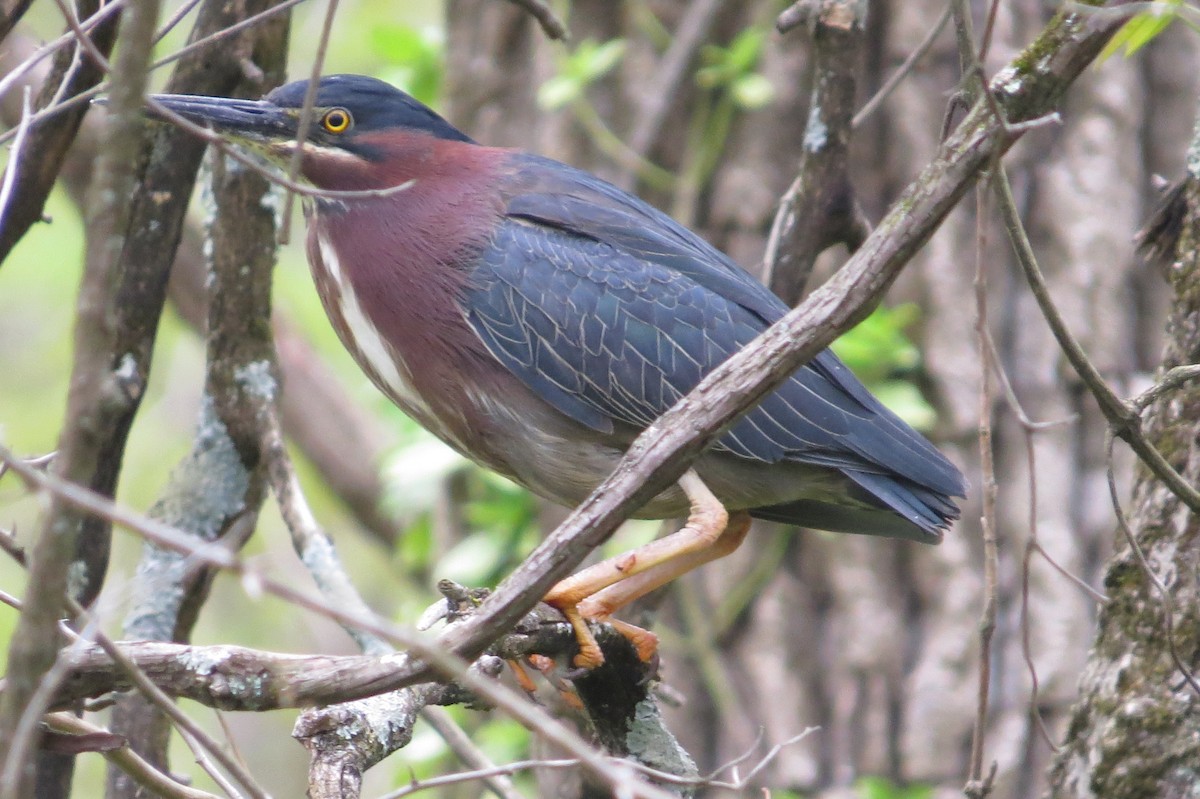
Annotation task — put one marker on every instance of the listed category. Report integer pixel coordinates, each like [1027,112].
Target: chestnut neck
[392,158]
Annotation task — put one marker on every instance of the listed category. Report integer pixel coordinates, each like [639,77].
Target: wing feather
[611,312]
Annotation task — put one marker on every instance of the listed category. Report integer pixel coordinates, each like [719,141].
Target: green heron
[537,319]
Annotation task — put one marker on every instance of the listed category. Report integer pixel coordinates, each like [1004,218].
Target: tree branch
[36,641]
[819,209]
[1121,415]
[38,167]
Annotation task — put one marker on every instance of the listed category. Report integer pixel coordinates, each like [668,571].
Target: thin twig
[14,158]
[976,786]
[551,25]
[129,761]
[663,776]
[1121,415]
[471,755]
[184,9]
[665,80]
[1168,601]
[902,71]
[317,552]
[207,765]
[989,27]
[431,652]
[234,751]
[1172,380]
[15,75]
[224,33]
[313,545]
[94,92]
[81,38]
[305,120]
[200,740]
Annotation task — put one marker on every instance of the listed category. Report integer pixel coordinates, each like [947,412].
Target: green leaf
[413,58]
[879,346]
[588,63]
[559,91]
[745,50]
[595,61]
[724,66]
[879,352]
[874,787]
[753,91]
[1142,28]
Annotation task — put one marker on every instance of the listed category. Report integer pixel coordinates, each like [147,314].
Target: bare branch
[552,26]
[819,210]
[1121,415]
[128,761]
[977,787]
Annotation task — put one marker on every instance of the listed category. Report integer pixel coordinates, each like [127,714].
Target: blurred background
[873,641]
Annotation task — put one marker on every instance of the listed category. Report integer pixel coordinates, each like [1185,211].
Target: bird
[537,319]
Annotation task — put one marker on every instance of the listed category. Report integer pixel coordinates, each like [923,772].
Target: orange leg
[599,590]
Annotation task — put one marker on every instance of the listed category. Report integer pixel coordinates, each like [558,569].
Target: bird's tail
[884,506]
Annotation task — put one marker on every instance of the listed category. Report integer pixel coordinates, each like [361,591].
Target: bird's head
[358,125]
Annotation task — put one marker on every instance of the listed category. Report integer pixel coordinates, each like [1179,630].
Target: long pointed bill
[254,120]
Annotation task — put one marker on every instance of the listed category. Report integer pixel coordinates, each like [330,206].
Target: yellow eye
[336,120]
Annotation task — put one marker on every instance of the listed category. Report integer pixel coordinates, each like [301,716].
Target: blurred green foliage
[734,68]
[413,57]
[1143,27]
[883,788]
[880,352]
[578,69]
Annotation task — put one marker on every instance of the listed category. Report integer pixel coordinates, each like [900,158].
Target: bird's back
[611,311]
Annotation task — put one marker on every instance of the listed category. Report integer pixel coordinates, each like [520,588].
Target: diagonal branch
[1122,416]
[1027,89]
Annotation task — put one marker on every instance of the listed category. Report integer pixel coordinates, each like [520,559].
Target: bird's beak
[253,120]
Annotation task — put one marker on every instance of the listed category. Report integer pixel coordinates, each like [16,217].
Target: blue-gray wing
[609,337]
[611,311]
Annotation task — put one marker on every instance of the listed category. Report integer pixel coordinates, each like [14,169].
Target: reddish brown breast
[389,271]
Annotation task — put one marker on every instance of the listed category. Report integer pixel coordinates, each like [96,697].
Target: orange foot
[600,590]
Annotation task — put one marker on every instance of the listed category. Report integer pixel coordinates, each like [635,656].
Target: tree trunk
[1135,730]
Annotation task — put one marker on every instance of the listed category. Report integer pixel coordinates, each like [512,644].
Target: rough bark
[1135,729]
